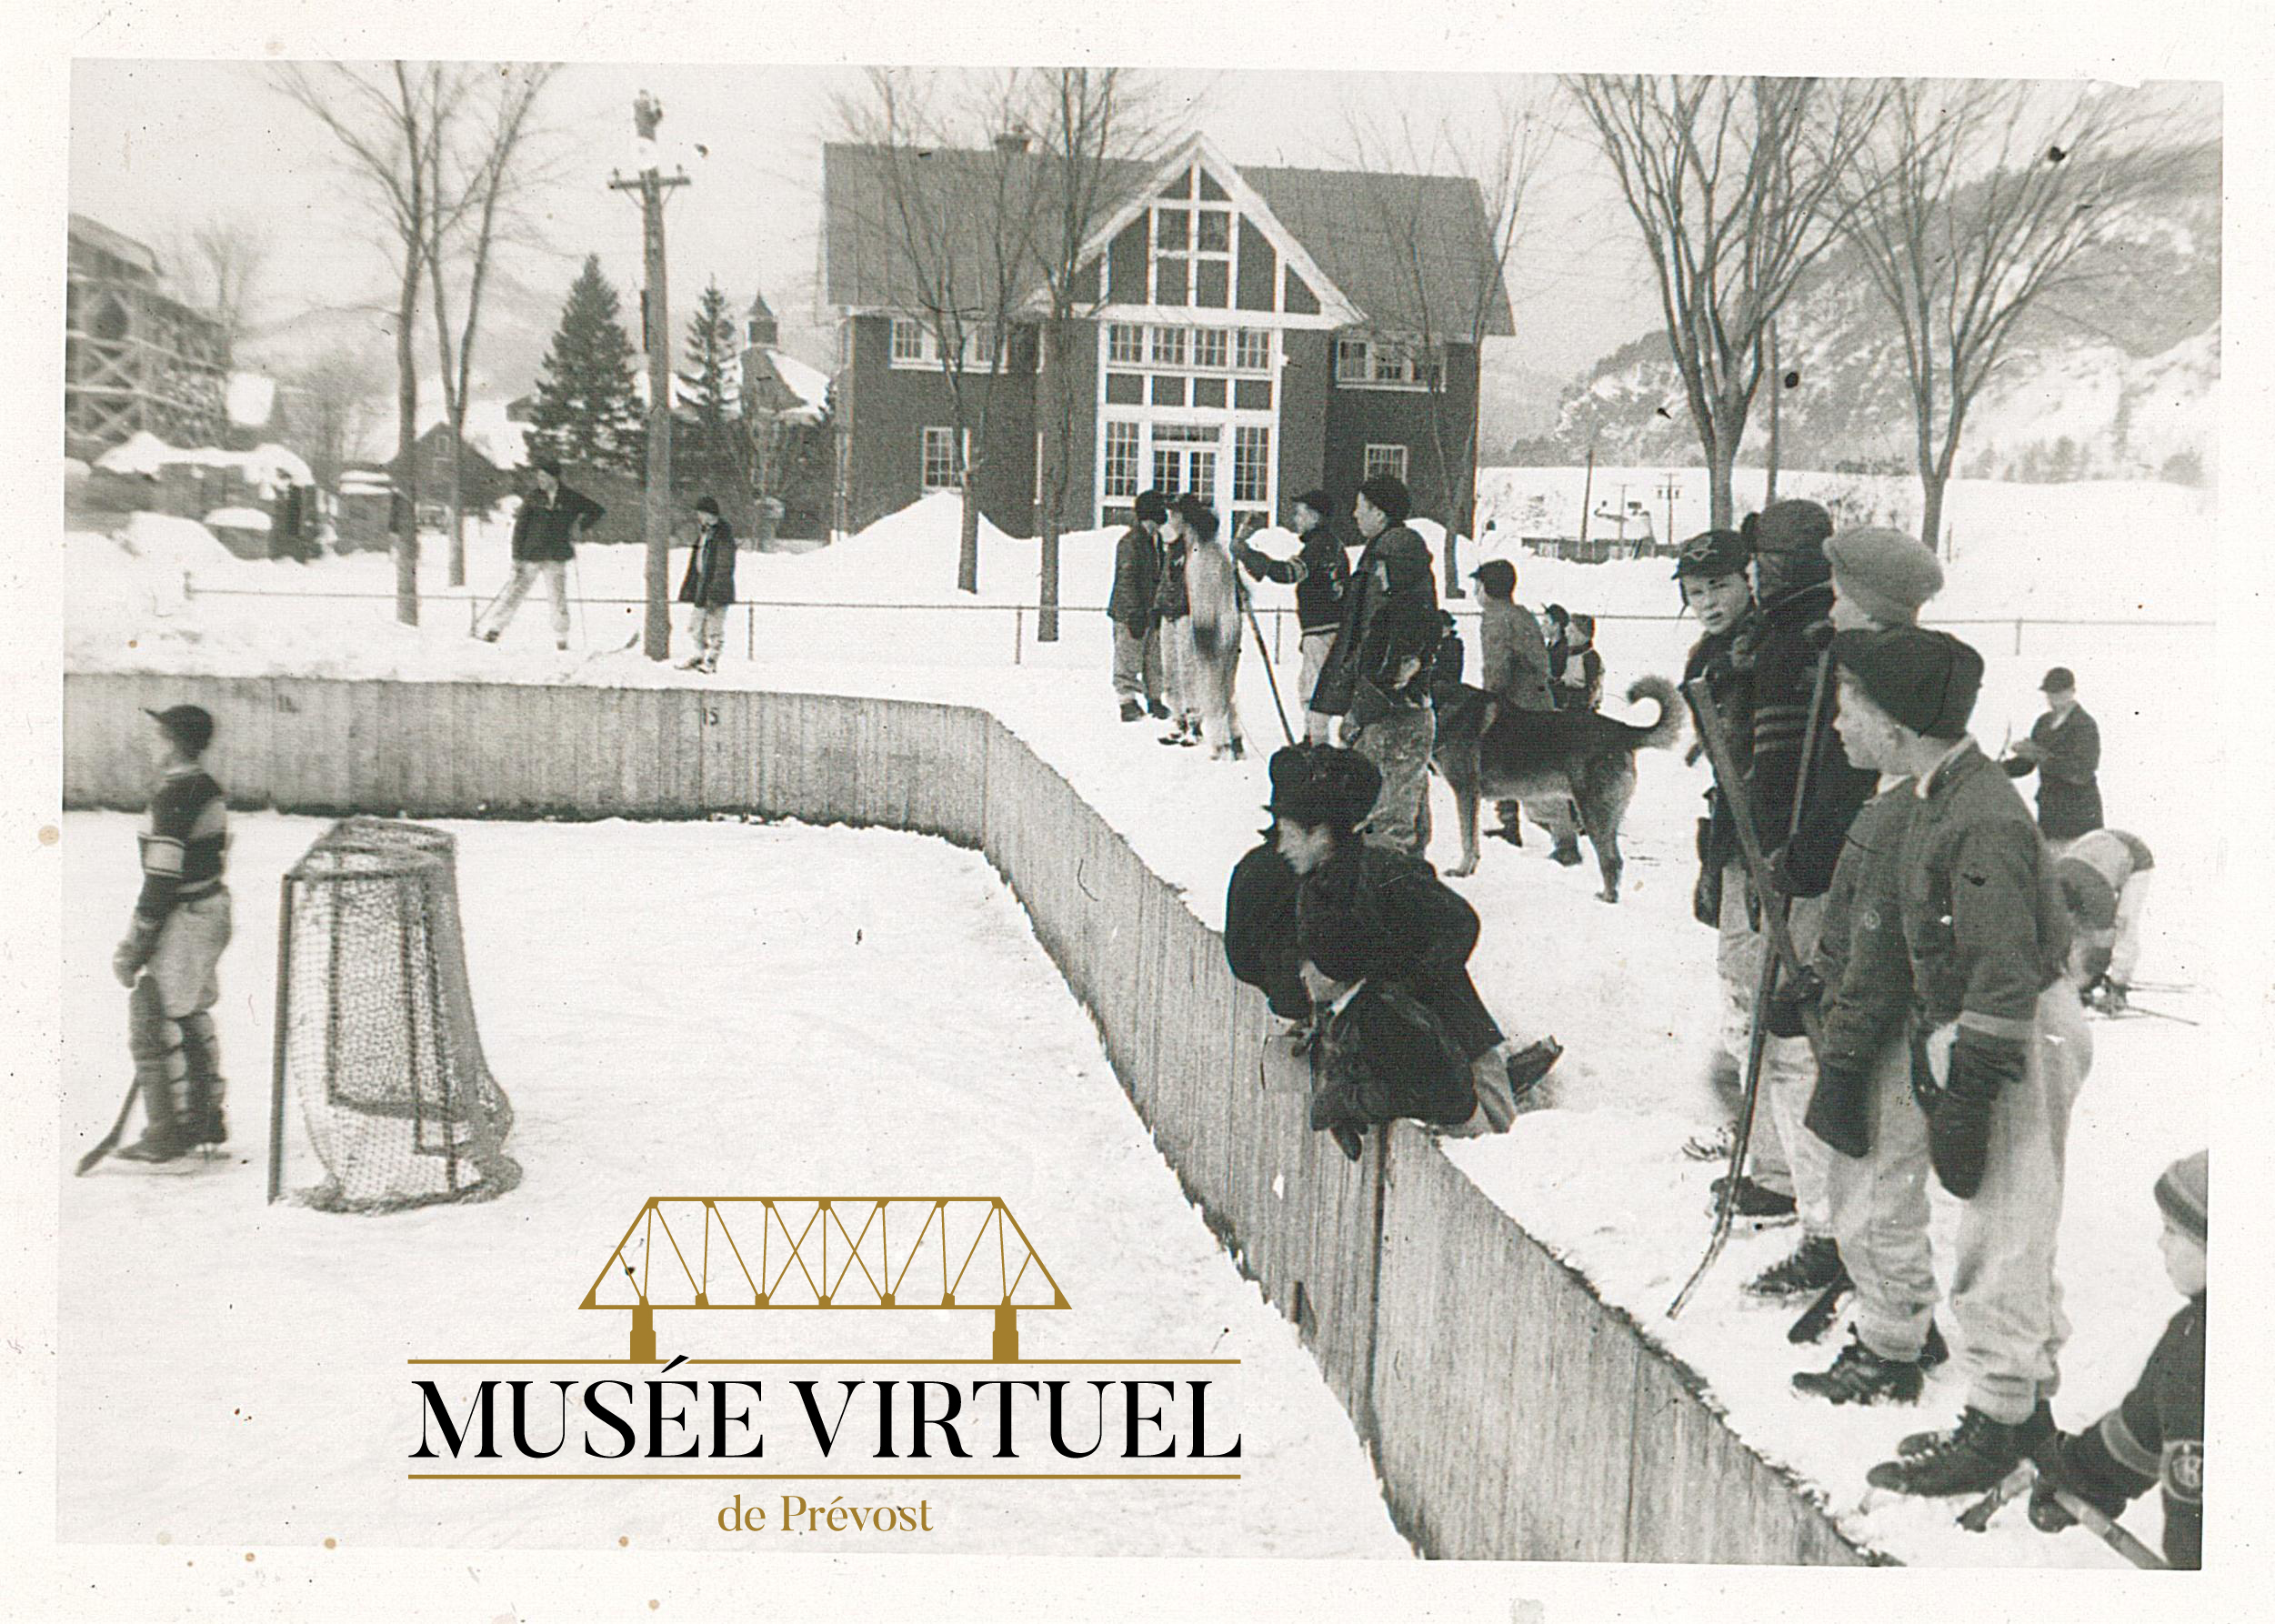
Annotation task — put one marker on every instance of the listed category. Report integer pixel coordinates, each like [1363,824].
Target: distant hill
[2116,379]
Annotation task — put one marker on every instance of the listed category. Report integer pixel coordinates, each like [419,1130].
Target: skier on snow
[2104,879]
[173,942]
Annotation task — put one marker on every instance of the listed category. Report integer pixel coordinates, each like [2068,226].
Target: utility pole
[652,184]
[1777,388]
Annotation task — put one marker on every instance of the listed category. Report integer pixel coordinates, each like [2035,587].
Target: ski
[1818,1319]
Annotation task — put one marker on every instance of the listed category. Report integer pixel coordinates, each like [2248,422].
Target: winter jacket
[1449,662]
[544,532]
[1866,971]
[1319,573]
[1389,616]
[1983,919]
[1515,656]
[1727,662]
[1580,684]
[1371,913]
[1213,598]
[1789,663]
[2155,1437]
[184,844]
[1136,581]
[710,578]
[2069,795]
[1260,930]
[1170,601]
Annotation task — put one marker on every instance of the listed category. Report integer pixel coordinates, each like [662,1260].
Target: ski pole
[2134,1009]
[1273,682]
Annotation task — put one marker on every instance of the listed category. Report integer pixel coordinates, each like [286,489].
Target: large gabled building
[1245,333]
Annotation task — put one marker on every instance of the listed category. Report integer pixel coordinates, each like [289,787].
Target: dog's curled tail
[1662,734]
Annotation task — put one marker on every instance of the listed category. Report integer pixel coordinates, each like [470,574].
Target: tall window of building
[1251,463]
[942,466]
[1126,344]
[1252,350]
[1121,459]
[1192,244]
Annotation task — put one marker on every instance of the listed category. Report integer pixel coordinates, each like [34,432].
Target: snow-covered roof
[809,384]
[238,518]
[266,466]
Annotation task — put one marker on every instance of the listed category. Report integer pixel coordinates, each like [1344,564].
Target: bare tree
[479,171]
[1973,202]
[388,122]
[1089,124]
[332,403]
[1736,185]
[955,209]
[1452,263]
[222,265]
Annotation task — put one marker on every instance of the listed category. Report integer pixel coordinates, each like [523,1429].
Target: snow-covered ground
[1629,989]
[720,1008]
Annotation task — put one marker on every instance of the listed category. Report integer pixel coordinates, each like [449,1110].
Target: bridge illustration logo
[784,1253]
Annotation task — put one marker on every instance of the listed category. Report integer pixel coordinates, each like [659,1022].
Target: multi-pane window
[1121,459]
[1252,350]
[1211,346]
[1126,344]
[1251,463]
[1385,364]
[941,464]
[1385,459]
[1192,244]
[914,343]
[909,342]
[1169,349]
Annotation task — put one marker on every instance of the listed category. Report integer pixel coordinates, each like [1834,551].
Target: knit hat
[1711,555]
[1319,501]
[2062,679]
[1788,540]
[1926,680]
[1885,573]
[191,727]
[547,465]
[707,505]
[1315,785]
[1388,493]
[2185,1194]
[1152,508]
[1496,575]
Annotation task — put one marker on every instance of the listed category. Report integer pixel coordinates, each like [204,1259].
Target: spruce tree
[586,413]
[719,457]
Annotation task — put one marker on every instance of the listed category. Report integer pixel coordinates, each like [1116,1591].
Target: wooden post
[651,184]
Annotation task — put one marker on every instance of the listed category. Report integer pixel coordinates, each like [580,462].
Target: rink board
[1512,1413]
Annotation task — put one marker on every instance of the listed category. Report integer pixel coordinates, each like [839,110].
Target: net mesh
[376,1032]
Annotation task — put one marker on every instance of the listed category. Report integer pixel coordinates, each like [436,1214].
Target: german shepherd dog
[1567,763]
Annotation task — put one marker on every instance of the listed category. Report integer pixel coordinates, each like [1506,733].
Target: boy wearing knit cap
[2156,1437]
[1997,1044]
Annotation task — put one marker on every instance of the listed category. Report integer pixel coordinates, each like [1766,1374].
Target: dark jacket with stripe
[1389,616]
[2155,1437]
[1319,573]
[1727,663]
[710,578]
[1788,654]
[184,844]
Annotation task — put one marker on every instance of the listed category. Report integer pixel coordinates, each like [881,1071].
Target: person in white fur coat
[1212,588]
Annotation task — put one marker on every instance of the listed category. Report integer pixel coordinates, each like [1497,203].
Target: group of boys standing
[1933,1026]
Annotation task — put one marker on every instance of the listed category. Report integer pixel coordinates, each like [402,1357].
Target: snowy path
[673,1007]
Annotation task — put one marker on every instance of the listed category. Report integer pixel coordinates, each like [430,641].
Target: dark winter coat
[184,843]
[2069,794]
[545,532]
[1789,664]
[1171,597]
[1450,663]
[1319,572]
[1866,971]
[1260,930]
[1389,616]
[1382,916]
[1514,655]
[1727,663]
[1136,581]
[2156,1437]
[1585,692]
[1983,919]
[710,579]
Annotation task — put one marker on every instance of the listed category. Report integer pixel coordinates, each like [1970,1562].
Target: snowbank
[264,467]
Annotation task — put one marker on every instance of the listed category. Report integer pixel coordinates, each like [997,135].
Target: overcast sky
[158,146]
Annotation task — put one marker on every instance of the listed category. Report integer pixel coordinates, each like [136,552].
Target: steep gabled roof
[1407,250]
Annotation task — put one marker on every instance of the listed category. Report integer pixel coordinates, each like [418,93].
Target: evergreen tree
[585,412]
[717,454]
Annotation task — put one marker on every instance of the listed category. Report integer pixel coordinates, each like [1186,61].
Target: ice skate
[1812,1266]
[1860,1376]
[1970,1459]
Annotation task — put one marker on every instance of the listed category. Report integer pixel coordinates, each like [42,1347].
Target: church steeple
[759,331]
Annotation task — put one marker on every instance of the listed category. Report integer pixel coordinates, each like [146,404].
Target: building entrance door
[1184,460]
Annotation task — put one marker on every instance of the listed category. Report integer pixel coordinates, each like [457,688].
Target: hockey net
[375,1038]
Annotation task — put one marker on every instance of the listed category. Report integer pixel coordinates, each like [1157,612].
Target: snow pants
[1177,665]
[1879,1215]
[706,625]
[1400,746]
[1318,728]
[1137,664]
[502,609]
[2004,1293]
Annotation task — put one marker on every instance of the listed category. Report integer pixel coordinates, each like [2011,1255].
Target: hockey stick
[1977,1516]
[1816,1318]
[109,1141]
[1265,653]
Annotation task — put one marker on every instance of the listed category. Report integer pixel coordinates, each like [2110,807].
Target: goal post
[377,1055]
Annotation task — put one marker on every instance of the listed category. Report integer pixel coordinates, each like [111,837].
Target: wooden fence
[1511,1413]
